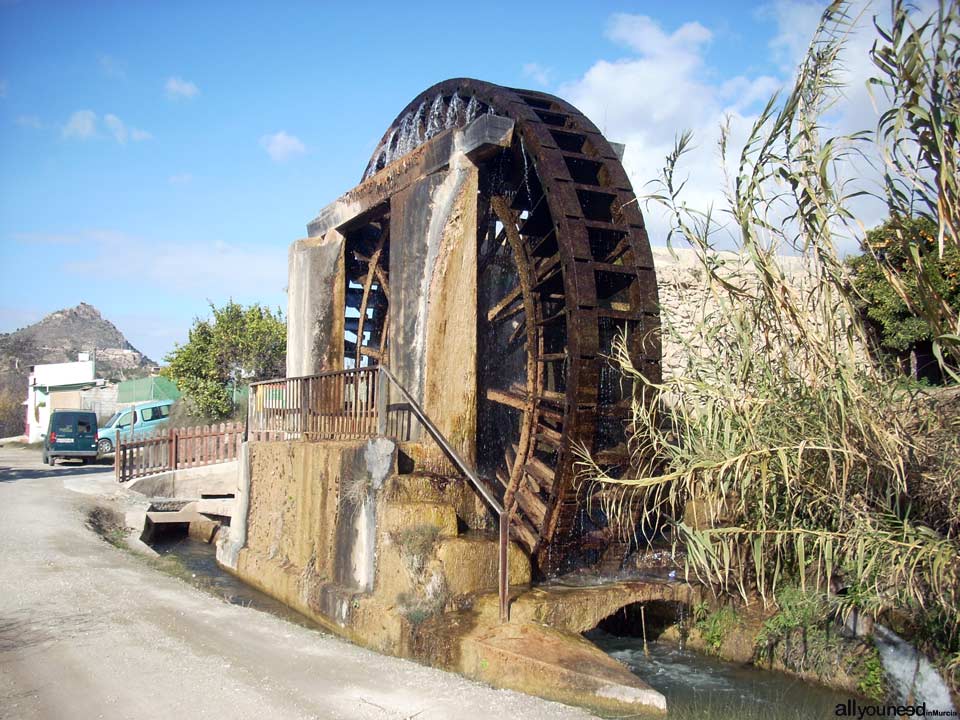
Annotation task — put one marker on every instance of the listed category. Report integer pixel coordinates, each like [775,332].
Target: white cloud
[177,88]
[644,36]
[854,109]
[281,146]
[208,269]
[180,179]
[82,124]
[536,72]
[663,86]
[648,98]
[111,67]
[29,121]
[796,21]
[116,127]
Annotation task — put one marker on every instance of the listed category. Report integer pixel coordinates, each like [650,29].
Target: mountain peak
[62,334]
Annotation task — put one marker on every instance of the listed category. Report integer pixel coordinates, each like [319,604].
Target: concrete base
[380,558]
[555,665]
[193,483]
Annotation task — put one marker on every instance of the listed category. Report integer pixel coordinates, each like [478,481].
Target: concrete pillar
[433,300]
[315,305]
[233,541]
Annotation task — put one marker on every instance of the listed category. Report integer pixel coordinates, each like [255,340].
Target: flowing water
[200,562]
[912,676]
[428,120]
[699,686]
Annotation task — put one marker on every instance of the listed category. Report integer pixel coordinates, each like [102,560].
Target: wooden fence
[177,448]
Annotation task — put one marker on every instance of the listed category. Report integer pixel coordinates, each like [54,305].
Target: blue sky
[154,156]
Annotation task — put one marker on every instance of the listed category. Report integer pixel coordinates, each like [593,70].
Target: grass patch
[872,678]
[417,609]
[109,525]
[716,626]
[798,611]
[416,544]
[418,539]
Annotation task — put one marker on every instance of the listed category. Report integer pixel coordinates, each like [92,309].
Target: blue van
[133,423]
[70,434]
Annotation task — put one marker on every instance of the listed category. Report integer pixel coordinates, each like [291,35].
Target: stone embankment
[687,302]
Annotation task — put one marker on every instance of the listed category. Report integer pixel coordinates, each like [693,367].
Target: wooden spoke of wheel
[534,371]
[372,264]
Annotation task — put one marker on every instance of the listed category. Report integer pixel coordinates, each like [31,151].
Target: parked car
[133,423]
[70,434]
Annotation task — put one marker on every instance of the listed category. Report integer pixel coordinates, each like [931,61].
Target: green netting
[149,388]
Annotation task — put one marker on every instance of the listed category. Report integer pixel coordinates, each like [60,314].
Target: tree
[236,346]
[894,313]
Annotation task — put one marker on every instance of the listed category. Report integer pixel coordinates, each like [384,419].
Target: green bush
[895,314]
[798,610]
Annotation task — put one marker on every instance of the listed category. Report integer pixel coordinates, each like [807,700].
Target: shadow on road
[66,469]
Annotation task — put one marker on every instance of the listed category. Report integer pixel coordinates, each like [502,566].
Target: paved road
[90,631]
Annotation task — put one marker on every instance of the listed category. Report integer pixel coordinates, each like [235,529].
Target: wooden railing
[177,448]
[338,405]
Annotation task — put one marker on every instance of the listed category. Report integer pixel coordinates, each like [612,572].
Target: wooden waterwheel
[564,266]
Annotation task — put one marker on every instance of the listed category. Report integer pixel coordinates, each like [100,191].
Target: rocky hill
[59,337]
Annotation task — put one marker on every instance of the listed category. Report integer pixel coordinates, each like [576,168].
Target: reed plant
[810,463]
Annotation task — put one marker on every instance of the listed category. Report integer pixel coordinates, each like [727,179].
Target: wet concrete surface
[91,631]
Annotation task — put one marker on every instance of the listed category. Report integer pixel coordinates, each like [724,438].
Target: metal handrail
[503,584]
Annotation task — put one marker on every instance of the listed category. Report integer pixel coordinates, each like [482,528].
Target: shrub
[797,611]
[11,413]
[416,544]
[893,313]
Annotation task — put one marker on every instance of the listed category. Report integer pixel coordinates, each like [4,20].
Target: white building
[56,386]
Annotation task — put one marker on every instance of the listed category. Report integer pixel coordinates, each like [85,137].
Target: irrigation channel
[199,561]
[699,686]
[695,685]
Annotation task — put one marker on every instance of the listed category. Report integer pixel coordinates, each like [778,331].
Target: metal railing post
[382,393]
[503,581]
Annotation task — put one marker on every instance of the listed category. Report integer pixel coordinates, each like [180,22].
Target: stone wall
[686,301]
